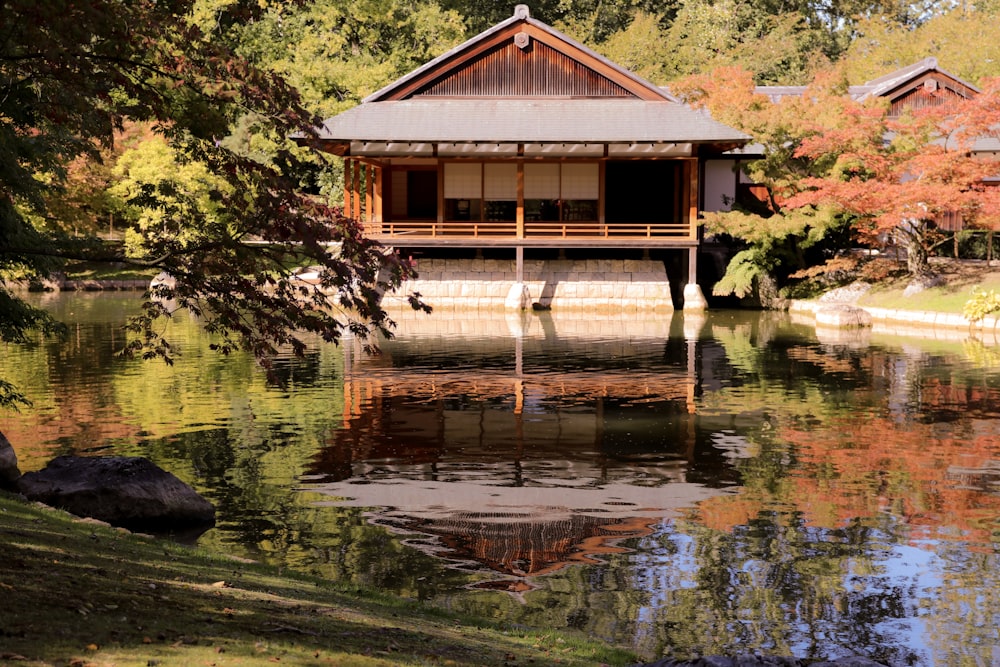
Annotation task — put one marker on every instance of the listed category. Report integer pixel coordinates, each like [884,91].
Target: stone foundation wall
[591,284]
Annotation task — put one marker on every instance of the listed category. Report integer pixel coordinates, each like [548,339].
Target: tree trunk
[917,263]
[910,234]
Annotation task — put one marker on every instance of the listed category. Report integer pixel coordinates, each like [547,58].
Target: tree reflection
[736,485]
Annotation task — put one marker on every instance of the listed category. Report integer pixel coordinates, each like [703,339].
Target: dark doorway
[421,194]
[641,192]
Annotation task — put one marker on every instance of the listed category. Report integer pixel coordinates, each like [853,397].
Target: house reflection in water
[520,445]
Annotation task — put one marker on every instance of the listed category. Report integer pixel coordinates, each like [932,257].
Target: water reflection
[730,483]
[518,460]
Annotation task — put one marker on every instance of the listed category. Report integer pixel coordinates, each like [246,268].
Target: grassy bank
[959,278]
[79,593]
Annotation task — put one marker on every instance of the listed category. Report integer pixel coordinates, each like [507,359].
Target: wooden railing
[508,229]
[598,230]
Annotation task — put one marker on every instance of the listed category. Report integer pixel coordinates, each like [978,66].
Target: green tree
[642,47]
[781,48]
[589,21]
[71,74]
[334,54]
[965,41]
[159,194]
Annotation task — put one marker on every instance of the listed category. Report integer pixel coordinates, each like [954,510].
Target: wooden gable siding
[926,91]
[508,70]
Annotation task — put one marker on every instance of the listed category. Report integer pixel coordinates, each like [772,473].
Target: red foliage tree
[897,175]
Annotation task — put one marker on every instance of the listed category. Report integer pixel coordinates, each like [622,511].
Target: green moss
[77,592]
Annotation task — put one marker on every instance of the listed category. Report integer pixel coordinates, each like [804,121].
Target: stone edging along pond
[826,314]
[924,323]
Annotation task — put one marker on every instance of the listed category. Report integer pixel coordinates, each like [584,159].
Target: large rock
[130,492]
[9,473]
[843,316]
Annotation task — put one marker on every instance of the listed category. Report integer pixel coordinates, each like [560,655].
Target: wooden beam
[620,77]
[451,65]
[458,60]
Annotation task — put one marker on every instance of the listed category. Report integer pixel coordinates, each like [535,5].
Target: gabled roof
[896,86]
[886,85]
[889,85]
[522,82]
[519,32]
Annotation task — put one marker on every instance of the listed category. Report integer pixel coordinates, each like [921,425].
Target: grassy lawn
[76,270]
[80,593]
[959,280]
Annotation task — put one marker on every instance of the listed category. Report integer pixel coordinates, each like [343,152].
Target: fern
[980,304]
[743,268]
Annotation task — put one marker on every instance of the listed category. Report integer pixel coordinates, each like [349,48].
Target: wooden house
[523,168]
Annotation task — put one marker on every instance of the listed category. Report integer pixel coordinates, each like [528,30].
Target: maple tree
[830,160]
[771,239]
[898,174]
[72,75]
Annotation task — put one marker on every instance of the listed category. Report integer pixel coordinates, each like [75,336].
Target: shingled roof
[528,121]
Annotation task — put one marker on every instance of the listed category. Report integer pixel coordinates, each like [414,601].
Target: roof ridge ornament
[522,12]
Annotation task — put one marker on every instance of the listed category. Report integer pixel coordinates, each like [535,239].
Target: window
[500,191]
[580,189]
[552,191]
[567,191]
[541,192]
[463,191]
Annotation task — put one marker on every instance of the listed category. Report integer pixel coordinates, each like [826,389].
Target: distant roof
[880,87]
[886,84]
[527,120]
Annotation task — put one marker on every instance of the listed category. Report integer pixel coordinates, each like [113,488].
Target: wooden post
[369,192]
[691,173]
[348,166]
[356,191]
[519,216]
[440,183]
[601,176]
[377,213]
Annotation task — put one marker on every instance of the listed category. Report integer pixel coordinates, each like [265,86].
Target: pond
[681,485]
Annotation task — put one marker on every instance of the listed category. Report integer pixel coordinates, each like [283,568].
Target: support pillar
[518,297]
[694,299]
